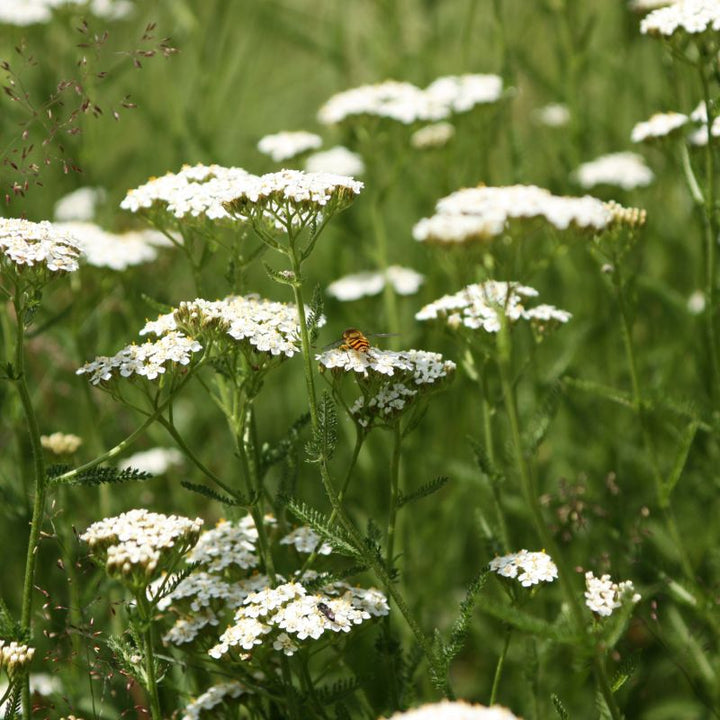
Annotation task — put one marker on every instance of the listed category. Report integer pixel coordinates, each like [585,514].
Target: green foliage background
[246,69]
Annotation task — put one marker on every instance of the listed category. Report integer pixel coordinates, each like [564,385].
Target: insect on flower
[326,611]
[354,339]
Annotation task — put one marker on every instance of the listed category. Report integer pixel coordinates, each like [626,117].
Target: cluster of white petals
[302,191]
[61,443]
[188,627]
[147,360]
[14,655]
[202,589]
[227,544]
[553,115]
[31,12]
[290,615]
[455,710]
[434,135]
[156,461]
[134,543]
[212,698]
[26,243]
[338,160]
[483,212]
[623,169]
[389,402]
[659,125]
[285,145]
[482,305]
[196,191]
[306,540]
[687,16]
[529,568]
[406,103]
[111,250]
[414,367]
[404,281]
[268,326]
[78,205]
[603,596]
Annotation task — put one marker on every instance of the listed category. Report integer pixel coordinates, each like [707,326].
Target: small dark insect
[326,611]
[354,339]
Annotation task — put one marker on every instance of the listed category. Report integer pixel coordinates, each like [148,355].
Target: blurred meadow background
[622,452]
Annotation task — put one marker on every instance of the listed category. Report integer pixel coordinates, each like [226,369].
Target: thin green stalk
[375,563]
[145,612]
[499,666]
[530,493]
[393,499]
[389,297]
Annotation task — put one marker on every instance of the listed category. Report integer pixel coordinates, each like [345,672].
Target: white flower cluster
[482,212]
[14,656]
[689,16]
[338,160]
[156,461]
[268,326]
[304,193]
[387,403]
[147,360]
[603,596]
[554,115]
[202,589]
[306,540]
[78,205]
[197,191]
[286,145]
[434,135]
[417,367]
[406,103]
[212,698]
[623,169]
[481,306]
[227,544]
[133,544]
[31,12]
[658,126]
[455,710]
[700,136]
[404,281]
[529,568]
[288,610]
[26,243]
[110,250]
[61,443]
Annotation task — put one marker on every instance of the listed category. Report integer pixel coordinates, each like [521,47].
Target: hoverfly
[354,339]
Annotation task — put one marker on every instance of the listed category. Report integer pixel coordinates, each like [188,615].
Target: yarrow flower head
[114,251]
[137,545]
[228,544]
[79,205]
[528,568]
[15,656]
[461,93]
[482,213]
[404,281]
[264,330]
[624,169]
[286,145]
[338,160]
[482,307]
[435,135]
[194,195]
[306,540]
[455,710]
[213,697]
[156,461]
[150,360]
[391,382]
[288,615]
[292,196]
[60,443]
[691,17]
[603,596]
[553,115]
[36,251]
[660,125]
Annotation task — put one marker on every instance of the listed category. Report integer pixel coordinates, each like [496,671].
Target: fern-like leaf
[461,626]
[239,501]
[423,491]
[278,452]
[321,524]
[322,444]
[540,424]
[559,707]
[339,690]
[95,476]
[314,319]
[626,670]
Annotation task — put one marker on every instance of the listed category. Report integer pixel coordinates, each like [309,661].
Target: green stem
[499,666]
[530,493]
[145,612]
[389,297]
[394,482]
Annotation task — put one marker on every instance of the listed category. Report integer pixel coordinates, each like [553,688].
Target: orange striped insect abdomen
[354,339]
